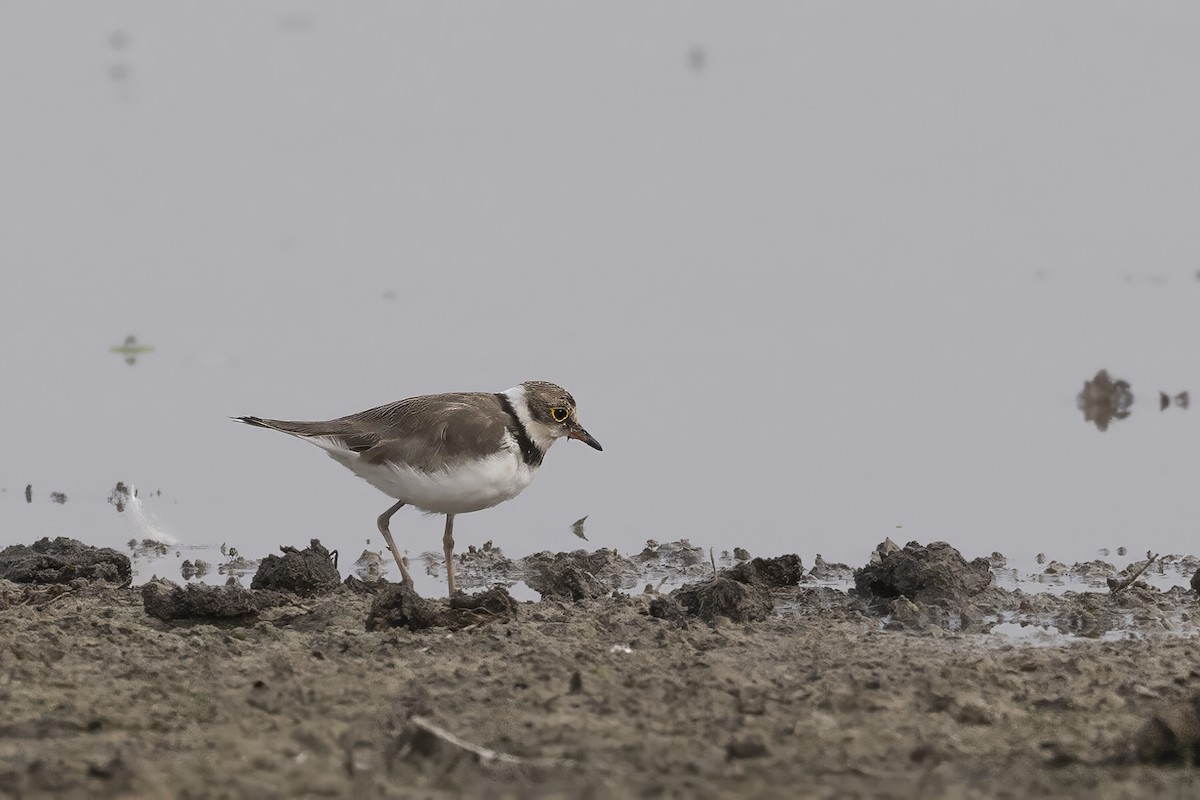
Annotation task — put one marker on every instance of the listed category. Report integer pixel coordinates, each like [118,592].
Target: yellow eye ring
[559,414]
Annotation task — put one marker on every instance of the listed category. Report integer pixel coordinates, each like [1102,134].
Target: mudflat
[616,696]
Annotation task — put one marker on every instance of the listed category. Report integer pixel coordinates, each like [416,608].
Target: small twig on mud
[485,754]
[1117,586]
[712,559]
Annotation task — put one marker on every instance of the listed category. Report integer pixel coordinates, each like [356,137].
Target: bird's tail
[305,430]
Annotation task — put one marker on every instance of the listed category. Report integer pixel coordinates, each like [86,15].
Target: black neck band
[530,452]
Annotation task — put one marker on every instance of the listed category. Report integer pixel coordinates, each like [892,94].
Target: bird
[450,453]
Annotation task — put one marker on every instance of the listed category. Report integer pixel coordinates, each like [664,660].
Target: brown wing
[428,432]
[434,431]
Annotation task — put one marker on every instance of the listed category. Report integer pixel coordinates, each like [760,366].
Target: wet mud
[755,681]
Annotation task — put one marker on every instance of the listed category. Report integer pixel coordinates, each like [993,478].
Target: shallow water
[811,288]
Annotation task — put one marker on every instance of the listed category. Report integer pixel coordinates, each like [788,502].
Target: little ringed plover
[446,453]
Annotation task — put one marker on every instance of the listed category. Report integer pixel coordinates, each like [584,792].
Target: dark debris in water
[194,569]
[1104,400]
[119,496]
[148,548]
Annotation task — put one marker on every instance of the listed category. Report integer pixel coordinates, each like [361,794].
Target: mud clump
[724,597]
[579,575]
[362,586]
[167,601]
[495,601]
[309,572]
[487,557]
[63,560]
[771,572]
[936,574]
[666,608]
[823,570]
[677,562]
[479,567]
[399,606]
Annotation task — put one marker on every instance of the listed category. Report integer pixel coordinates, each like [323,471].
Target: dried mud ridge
[754,681]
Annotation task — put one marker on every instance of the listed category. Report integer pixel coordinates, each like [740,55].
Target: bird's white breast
[470,485]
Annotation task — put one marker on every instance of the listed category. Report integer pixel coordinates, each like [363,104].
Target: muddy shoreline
[826,695]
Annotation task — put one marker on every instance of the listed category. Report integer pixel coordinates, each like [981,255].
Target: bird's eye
[559,414]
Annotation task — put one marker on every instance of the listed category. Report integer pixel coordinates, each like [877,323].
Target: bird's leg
[384,518]
[448,546]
